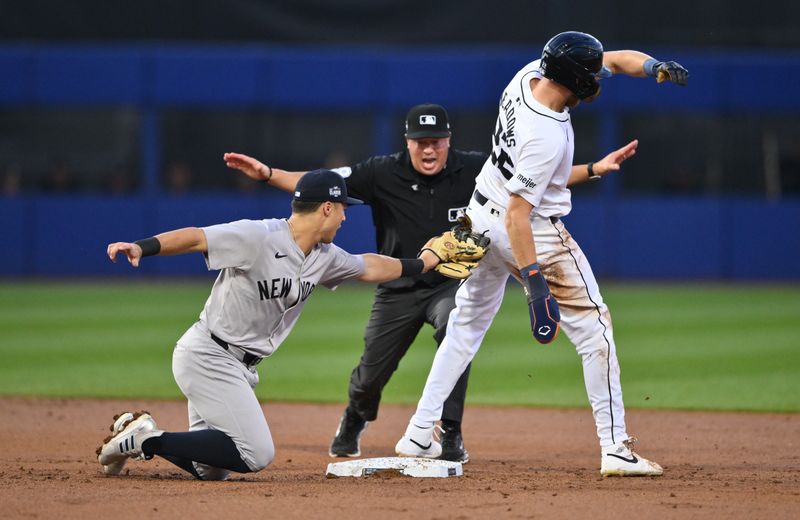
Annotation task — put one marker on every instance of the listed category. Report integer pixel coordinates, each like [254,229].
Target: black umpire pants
[396,319]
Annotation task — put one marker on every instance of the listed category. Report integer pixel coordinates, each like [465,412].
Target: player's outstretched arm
[180,241]
[259,171]
[610,163]
[380,268]
[639,65]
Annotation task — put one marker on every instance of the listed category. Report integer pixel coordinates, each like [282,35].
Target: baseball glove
[459,250]
[458,270]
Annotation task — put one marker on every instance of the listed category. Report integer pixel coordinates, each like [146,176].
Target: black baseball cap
[427,121]
[323,186]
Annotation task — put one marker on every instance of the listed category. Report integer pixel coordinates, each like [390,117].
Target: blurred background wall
[114,117]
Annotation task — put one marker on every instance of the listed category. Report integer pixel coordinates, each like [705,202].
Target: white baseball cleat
[126,443]
[120,422]
[620,460]
[418,442]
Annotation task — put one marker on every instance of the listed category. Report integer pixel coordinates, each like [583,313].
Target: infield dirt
[526,463]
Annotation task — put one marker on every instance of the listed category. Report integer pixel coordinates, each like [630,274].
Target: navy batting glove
[671,70]
[542,307]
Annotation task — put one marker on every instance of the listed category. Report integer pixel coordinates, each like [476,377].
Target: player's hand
[672,71]
[542,307]
[250,166]
[428,257]
[132,251]
[611,162]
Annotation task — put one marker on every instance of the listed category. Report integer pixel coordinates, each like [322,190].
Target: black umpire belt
[238,352]
[481,199]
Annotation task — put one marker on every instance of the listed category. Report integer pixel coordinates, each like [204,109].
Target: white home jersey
[265,280]
[532,151]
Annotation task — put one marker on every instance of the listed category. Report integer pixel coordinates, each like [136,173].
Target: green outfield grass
[711,347]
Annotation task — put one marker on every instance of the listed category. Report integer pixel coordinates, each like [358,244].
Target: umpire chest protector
[408,208]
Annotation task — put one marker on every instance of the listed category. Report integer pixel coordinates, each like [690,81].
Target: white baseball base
[411,467]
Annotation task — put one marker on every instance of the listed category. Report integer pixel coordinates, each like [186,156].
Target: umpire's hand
[250,166]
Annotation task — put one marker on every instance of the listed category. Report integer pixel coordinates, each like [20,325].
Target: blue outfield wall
[701,238]
[152,75]
[637,237]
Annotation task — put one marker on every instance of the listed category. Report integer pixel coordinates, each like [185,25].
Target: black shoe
[453,446]
[348,435]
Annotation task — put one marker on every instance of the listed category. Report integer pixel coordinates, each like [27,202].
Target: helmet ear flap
[592,97]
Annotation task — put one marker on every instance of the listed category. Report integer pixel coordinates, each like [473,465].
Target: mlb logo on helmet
[427,119]
[335,191]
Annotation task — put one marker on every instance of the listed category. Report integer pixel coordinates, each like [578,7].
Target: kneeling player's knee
[263,454]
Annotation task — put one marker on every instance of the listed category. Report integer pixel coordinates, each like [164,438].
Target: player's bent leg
[209,447]
[477,302]
[199,470]
[220,391]
[440,304]
[587,323]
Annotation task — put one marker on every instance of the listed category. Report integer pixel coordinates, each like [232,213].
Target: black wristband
[590,167]
[270,174]
[411,266]
[150,246]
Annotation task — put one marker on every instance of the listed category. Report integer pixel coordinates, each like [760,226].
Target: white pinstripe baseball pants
[584,319]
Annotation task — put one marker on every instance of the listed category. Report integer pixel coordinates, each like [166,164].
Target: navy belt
[247,358]
[481,199]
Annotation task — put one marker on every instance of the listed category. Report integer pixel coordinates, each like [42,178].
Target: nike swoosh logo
[278,255]
[420,445]
[632,460]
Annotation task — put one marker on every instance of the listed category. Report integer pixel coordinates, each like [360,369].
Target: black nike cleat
[346,442]
[453,446]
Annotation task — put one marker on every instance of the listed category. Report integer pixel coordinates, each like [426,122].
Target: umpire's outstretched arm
[256,170]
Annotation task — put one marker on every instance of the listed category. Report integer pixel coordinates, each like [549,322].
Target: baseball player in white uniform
[521,194]
[268,269]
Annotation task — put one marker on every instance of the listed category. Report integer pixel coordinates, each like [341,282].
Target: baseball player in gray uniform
[268,269]
[521,194]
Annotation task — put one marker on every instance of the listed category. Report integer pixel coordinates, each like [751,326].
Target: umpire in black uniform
[414,194]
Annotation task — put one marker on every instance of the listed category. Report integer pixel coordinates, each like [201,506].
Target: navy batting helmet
[575,60]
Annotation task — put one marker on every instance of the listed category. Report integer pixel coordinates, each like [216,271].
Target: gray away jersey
[265,280]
